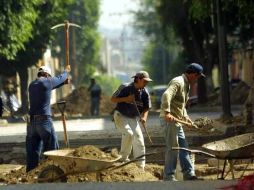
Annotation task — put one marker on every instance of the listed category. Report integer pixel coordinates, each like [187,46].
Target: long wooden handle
[150,140]
[185,123]
[182,122]
[65,132]
[67,43]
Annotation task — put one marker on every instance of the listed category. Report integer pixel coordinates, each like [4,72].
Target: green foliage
[108,84]
[200,10]
[86,14]
[158,55]
[16,25]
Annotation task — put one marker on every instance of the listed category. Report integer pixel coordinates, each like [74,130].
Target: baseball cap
[195,68]
[44,69]
[142,75]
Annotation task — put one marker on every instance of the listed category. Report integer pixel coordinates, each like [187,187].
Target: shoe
[142,168]
[124,160]
[192,177]
[170,178]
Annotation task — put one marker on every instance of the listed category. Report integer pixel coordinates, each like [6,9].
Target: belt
[39,117]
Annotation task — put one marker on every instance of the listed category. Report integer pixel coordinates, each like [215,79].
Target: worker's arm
[127,99]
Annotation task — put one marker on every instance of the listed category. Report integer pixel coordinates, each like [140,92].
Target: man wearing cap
[173,104]
[133,104]
[41,135]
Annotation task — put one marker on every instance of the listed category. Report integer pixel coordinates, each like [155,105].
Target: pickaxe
[66,25]
[61,105]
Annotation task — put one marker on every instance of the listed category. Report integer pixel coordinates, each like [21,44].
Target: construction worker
[133,104]
[95,94]
[41,135]
[173,104]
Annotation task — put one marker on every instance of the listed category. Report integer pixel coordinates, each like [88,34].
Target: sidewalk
[89,128]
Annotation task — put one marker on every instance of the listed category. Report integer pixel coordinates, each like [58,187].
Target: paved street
[15,132]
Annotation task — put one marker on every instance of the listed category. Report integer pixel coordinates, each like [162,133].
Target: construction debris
[78,104]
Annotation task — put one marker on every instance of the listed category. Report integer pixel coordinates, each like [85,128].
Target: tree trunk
[23,74]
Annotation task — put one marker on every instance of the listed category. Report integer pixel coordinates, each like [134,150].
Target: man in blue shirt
[41,135]
[133,104]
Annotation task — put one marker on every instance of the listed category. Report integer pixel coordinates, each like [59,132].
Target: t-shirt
[142,99]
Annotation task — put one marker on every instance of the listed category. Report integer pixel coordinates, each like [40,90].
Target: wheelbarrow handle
[194,151]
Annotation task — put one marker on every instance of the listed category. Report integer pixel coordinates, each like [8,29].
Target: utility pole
[225,95]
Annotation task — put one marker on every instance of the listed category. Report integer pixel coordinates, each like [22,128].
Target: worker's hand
[68,68]
[142,120]
[67,81]
[192,124]
[169,118]
[130,98]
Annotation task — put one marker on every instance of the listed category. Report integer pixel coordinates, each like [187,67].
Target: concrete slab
[186,185]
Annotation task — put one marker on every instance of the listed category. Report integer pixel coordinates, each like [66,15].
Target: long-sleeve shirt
[175,97]
[40,93]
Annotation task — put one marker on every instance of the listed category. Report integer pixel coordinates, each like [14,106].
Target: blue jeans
[40,137]
[174,137]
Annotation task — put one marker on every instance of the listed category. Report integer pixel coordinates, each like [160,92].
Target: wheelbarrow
[229,149]
[64,164]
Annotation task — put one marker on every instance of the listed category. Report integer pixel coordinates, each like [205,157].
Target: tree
[48,13]
[16,25]
[159,56]
[85,43]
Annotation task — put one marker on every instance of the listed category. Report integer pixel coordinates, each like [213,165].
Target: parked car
[156,93]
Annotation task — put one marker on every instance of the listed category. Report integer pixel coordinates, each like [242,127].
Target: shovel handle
[66,139]
[150,140]
[185,123]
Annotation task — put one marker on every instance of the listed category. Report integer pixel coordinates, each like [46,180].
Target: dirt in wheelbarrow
[130,172]
[92,152]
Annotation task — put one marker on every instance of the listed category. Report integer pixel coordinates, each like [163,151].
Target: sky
[115,13]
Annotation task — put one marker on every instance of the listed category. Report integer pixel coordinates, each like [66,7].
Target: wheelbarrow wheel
[52,173]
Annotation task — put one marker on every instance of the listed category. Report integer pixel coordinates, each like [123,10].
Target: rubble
[78,103]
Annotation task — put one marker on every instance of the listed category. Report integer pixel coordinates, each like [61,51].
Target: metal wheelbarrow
[64,164]
[229,149]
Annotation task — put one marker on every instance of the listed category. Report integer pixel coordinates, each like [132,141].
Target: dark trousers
[40,137]
[95,106]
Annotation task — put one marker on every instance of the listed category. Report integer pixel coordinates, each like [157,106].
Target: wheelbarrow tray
[237,147]
[74,164]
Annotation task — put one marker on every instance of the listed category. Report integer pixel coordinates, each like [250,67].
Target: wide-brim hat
[142,75]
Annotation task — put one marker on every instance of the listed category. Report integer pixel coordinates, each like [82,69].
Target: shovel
[61,106]
[143,124]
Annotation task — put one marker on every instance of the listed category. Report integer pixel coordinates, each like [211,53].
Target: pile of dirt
[130,172]
[78,103]
[238,95]
[205,126]
[92,152]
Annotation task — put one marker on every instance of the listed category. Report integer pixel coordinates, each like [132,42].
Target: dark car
[156,93]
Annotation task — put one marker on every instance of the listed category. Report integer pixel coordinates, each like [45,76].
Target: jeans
[40,137]
[95,106]
[132,137]
[174,137]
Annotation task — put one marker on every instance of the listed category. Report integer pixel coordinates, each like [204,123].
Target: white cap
[44,69]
